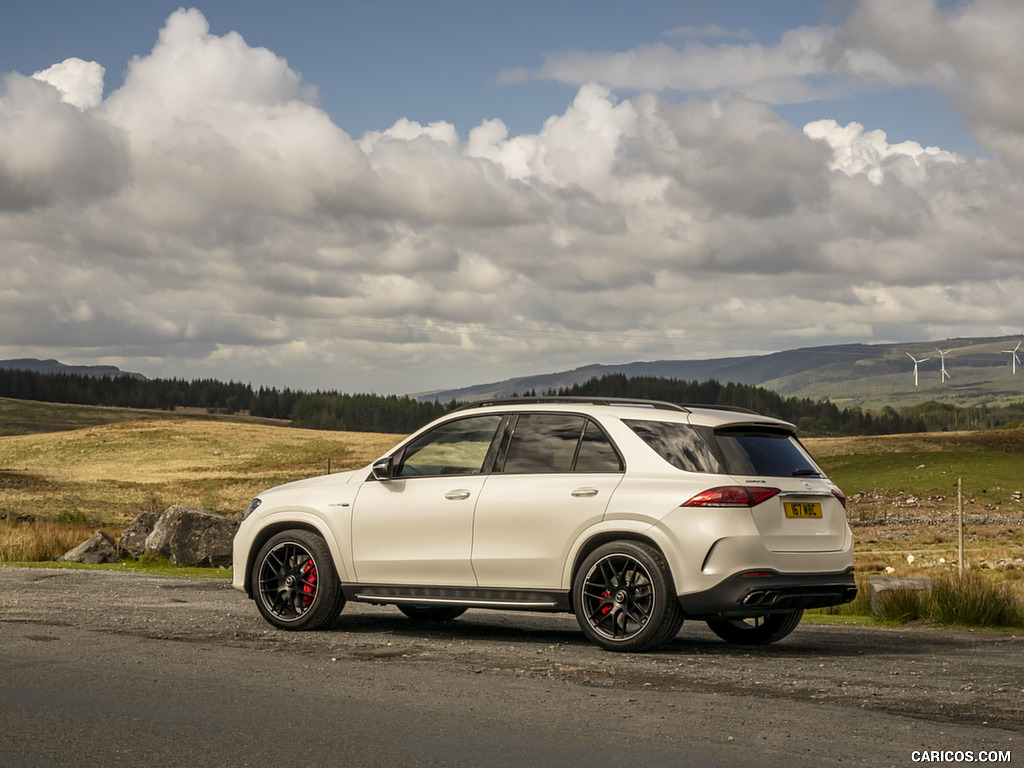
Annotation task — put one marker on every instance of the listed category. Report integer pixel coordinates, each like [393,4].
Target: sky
[399,197]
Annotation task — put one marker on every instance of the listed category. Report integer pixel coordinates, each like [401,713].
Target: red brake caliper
[308,582]
[607,607]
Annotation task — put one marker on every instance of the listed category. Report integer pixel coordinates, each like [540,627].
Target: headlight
[251,508]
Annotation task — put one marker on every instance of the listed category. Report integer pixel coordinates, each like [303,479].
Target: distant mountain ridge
[979,371]
[54,366]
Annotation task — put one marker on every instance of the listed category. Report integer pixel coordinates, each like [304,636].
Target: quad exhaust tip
[763,597]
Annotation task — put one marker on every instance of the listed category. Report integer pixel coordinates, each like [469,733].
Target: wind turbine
[916,363]
[1014,359]
[943,356]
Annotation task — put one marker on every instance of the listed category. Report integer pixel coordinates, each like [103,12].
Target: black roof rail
[627,401]
[637,402]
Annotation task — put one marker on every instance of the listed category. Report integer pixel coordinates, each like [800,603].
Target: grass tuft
[903,605]
[972,600]
[40,541]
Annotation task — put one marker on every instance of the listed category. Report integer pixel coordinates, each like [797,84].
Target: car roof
[631,408]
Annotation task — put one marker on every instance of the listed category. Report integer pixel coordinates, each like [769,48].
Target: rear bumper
[762,592]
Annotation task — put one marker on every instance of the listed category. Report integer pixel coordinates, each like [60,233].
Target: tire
[432,612]
[624,598]
[757,630]
[295,583]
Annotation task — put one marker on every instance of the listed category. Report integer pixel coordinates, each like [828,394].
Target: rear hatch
[802,510]
[805,517]
[808,514]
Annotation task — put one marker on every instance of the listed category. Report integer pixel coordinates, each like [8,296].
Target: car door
[417,526]
[553,479]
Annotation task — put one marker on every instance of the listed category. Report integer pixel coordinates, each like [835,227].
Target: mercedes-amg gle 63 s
[633,515]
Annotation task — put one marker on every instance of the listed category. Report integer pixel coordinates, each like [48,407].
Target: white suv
[631,514]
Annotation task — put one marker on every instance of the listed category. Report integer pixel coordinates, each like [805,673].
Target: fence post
[960,522]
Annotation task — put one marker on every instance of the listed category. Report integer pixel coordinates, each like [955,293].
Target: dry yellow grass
[1005,440]
[37,542]
[106,475]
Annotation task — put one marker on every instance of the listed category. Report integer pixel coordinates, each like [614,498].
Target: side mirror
[384,469]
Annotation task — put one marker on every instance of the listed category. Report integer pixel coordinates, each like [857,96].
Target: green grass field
[990,463]
[26,417]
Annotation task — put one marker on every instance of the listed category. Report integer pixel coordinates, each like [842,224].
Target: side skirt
[470,597]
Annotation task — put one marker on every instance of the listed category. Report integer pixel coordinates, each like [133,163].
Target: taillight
[840,495]
[732,496]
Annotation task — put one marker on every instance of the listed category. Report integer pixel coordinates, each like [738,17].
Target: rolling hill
[979,371]
[53,366]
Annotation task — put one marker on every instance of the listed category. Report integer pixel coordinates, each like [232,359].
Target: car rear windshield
[738,450]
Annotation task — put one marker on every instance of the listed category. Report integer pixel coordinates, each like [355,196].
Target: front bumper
[757,593]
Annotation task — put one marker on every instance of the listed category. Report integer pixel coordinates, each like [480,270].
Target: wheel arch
[290,524]
[601,538]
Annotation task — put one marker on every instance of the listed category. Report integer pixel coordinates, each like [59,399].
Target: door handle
[457,495]
[584,493]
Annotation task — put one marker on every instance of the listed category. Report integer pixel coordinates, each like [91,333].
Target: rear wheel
[295,583]
[757,630]
[432,612]
[624,598]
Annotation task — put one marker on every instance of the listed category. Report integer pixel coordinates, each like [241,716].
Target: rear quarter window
[678,444]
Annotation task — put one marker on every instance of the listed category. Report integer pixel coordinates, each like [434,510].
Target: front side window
[558,442]
[454,448]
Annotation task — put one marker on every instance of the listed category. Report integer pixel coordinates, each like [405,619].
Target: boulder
[879,585]
[99,548]
[189,536]
[133,538]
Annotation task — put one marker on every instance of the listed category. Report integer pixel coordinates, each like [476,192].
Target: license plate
[803,509]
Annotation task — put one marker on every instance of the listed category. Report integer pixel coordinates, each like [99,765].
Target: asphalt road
[108,669]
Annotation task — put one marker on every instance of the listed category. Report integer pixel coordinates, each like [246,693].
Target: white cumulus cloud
[209,218]
[80,82]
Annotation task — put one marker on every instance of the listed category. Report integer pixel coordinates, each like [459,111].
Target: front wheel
[757,630]
[624,598]
[295,583]
[432,612]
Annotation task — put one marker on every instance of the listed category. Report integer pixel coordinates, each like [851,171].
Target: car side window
[596,453]
[558,442]
[678,444]
[454,448]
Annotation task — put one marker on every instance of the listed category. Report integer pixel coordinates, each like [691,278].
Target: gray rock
[133,538]
[99,548]
[879,585]
[188,536]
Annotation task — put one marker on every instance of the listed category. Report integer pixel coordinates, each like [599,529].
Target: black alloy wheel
[295,583]
[623,598]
